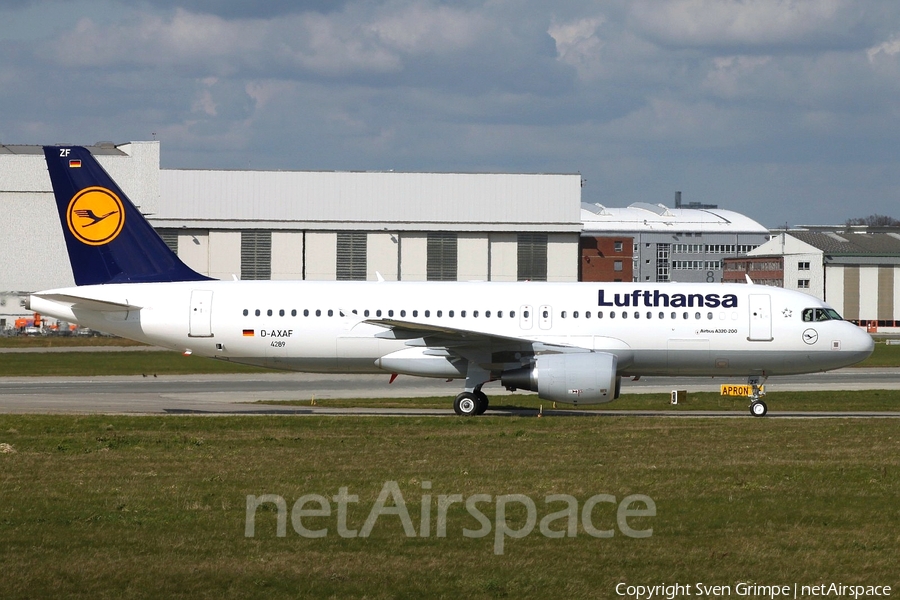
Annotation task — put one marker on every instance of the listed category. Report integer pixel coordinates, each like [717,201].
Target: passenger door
[760,318]
[201,314]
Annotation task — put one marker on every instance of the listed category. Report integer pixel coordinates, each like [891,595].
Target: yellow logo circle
[95,216]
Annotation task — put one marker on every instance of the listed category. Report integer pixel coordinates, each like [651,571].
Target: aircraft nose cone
[859,345]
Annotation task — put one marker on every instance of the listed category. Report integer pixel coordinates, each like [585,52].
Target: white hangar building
[356,225]
[306,225]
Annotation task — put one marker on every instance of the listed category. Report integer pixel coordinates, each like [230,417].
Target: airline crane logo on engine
[657,298]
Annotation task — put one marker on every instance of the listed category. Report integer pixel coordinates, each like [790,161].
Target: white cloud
[577,43]
[729,74]
[888,48]
[417,28]
[742,23]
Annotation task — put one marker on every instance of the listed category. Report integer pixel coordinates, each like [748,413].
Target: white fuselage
[653,329]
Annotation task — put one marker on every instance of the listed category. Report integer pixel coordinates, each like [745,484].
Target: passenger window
[305,312]
[499,314]
[575,315]
[624,314]
[269,312]
[366,313]
[415,313]
[402,313]
[562,315]
[427,313]
[293,312]
[637,315]
[378,313]
[587,314]
[487,314]
[318,312]
[440,313]
[599,314]
[612,314]
[475,313]
[462,314]
[246,312]
[257,312]
[450,313]
[330,313]
[525,314]
[281,313]
[512,314]
[391,312]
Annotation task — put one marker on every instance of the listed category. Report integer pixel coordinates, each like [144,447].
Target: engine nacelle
[588,378]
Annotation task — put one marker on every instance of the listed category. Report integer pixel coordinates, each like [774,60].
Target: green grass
[827,401]
[151,507]
[23,341]
[884,355]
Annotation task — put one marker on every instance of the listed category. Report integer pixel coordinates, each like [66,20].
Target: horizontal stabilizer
[80,302]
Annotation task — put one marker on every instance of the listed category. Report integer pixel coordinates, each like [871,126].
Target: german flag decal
[248,333]
[74,164]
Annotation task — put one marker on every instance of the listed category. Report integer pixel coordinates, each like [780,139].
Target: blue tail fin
[108,239]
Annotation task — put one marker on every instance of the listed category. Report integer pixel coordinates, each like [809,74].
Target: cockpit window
[811,315]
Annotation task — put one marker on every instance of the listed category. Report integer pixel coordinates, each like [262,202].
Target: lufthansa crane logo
[95,216]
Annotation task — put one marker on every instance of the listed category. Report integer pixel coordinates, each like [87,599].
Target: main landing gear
[470,404]
[758,408]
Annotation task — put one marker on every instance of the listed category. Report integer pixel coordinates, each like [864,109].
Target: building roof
[370,200]
[658,218]
[853,243]
[98,149]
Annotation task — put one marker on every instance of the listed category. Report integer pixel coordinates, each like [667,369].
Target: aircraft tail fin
[108,239]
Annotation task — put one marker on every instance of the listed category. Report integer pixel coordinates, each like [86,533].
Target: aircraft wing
[85,303]
[459,340]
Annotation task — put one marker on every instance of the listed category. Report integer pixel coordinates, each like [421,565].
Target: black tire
[466,404]
[483,402]
[758,408]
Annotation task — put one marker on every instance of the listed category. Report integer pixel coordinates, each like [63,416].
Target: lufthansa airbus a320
[569,342]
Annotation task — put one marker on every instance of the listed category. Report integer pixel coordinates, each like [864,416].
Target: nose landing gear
[758,408]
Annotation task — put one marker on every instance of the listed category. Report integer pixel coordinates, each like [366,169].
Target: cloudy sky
[785,110]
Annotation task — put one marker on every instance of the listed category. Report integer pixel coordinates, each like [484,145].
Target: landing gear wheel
[483,402]
[758,408]
[466,404]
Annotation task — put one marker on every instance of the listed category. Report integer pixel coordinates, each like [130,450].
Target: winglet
[108,239]
[749,281]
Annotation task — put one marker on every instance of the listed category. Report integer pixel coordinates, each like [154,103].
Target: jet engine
[588,378]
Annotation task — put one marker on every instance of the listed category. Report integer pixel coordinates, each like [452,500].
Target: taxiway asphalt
[239,394]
